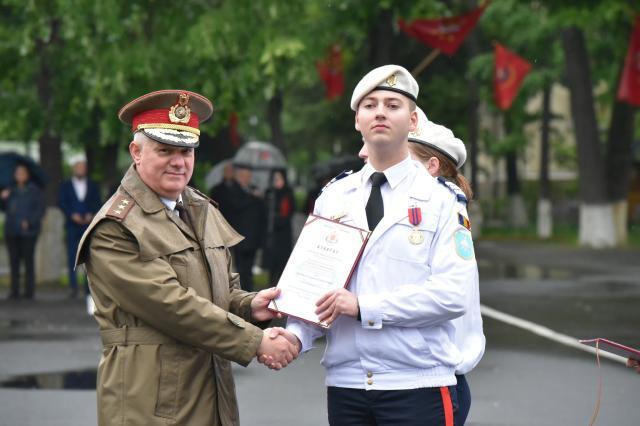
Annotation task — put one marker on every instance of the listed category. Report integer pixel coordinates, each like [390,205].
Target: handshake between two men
[280,347]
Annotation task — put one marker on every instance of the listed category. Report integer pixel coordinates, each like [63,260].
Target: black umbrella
[335,165]
[8,163]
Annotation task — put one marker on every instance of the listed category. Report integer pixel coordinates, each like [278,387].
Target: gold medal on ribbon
[416,237]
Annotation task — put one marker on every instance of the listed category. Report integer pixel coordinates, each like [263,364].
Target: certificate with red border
[613,347]
[323,259]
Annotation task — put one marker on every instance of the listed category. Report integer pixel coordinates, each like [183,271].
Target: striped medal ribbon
[415,218]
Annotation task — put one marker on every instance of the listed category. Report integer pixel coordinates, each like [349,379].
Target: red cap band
[161,116]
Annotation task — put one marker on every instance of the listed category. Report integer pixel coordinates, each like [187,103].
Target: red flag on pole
[330,71]
[510,69]
[629,88]
[445,34]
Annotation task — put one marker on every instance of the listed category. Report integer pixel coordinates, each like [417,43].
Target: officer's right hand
[274,332]
[276,352]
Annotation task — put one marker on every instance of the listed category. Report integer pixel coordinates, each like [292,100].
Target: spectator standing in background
[79,200]
[221,193]
[23,203]
[280,208]
[247,216]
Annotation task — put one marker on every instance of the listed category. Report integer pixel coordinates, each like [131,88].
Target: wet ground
[49,349]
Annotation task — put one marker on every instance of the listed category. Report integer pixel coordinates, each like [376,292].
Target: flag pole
[425,62]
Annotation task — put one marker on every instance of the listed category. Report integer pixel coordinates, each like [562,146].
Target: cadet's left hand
[632,363]
[259,304]
[337,302]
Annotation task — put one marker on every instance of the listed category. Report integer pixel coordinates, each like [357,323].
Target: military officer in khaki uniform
[171,312]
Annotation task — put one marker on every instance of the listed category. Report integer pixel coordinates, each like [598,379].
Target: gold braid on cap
[168,126]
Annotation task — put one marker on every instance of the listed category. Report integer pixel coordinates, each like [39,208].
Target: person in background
[442,154]
[280,209]
[23,204]
[314,193]
[221,193]
[247,215]
[79,199]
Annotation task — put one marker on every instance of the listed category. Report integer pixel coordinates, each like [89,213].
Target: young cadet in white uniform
[442,154]
[391,354]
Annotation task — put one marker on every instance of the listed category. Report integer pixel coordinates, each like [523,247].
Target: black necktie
[182,212]
[375,206]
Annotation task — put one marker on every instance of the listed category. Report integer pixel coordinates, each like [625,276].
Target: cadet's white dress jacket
[469,338]
[408,293]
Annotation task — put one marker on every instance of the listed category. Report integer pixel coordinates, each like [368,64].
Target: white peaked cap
[438,137]
[387,77]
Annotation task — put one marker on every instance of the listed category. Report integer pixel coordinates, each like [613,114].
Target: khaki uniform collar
[144,196]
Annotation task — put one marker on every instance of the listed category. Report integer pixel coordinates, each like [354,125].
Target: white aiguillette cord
[596,410]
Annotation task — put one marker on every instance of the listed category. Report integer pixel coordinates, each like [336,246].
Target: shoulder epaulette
[343,174]
[203,195]
[120,207]
[455,189]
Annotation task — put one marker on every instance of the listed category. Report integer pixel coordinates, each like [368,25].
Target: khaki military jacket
[170,311]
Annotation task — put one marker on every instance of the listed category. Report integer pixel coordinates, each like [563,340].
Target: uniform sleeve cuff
[370,311]
[251,348]
[299,331]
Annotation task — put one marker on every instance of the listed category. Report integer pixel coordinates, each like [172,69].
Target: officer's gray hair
[139,138]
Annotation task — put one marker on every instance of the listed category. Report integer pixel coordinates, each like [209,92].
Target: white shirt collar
[394,174]
[171,204]
[79,186]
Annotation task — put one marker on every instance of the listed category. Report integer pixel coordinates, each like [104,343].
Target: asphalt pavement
[523,379]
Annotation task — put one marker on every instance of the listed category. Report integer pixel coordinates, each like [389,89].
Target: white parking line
[546,333]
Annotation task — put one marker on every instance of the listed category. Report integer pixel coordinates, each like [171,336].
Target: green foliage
[239,53]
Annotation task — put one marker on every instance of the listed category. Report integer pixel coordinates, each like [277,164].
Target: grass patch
[562,234]
[260,281]
[565,234]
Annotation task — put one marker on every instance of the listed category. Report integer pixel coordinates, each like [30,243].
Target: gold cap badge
[180,112]
[392,80]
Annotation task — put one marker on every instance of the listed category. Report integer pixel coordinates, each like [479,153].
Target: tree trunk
[592,183]
[517,207]
[620,164]
[274,118]
[517,210]
[48,262]
[91,143]
[49,142]
[545,218]
[112,175]
[473,118]
[513,182]
[596,213]
[381,36]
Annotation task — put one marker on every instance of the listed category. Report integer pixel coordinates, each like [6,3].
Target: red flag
[629,89]
[330,71]
[233,130]
[510,69]
[446,34]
